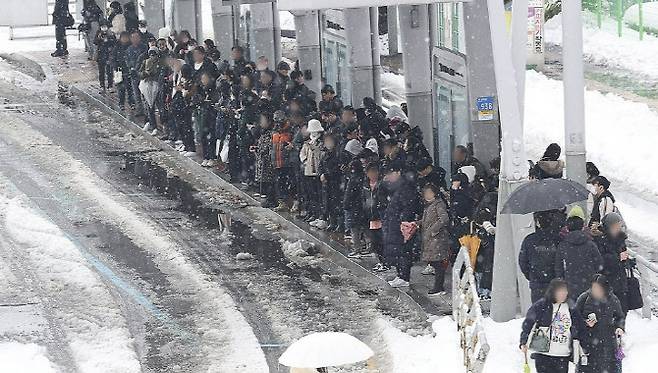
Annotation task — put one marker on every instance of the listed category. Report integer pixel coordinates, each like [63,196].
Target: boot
[439,279]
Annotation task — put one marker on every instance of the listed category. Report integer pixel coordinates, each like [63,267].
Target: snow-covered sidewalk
[441,353]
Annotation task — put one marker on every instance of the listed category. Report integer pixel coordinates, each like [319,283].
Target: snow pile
[441,353]
[19,357]
[604,47]
[95,329]
[620,141]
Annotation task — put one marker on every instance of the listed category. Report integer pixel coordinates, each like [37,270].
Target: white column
[307,29]
[222,24]
[187,16]
[154,15]
[416,59]
[376,57]
[514,171]
[264,28]
[392,21]
[574,86]
[519,48]
[360,35]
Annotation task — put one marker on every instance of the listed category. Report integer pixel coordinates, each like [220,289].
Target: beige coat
[435,234]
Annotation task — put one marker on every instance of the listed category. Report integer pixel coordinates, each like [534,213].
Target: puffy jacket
[281,138]
[310,156]
[537,257]
[577,260]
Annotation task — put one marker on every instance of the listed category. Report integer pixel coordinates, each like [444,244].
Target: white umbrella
[328,349]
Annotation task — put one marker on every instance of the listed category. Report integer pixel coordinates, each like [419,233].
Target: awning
[340,4]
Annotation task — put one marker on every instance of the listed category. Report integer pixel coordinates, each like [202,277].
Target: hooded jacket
[546,169]
[537,257]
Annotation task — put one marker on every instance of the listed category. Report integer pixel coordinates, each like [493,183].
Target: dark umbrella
[544,195]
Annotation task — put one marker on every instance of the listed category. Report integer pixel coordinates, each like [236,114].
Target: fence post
[599,9]
[641,18]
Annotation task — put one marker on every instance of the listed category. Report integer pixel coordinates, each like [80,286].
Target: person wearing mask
[560,320]
[62,19]
[403,207]
[150,72]
[577,258]
[603,203]
[436,244]
[133,56]
[537,255]
[264,164]
[91,17]
[352,206]
[105,42]
[204,100]
[143,29]
[120,66]
[330,177]
[132,19]
[374,207]
[613,249]
[282,74]
[310,156]
[605,321]
[282,148]
[549,166]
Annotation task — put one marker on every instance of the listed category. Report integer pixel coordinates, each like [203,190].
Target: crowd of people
[578,272]
[361,172]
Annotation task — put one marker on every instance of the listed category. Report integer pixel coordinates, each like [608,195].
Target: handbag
[634,295]
[70,21]
[540,337]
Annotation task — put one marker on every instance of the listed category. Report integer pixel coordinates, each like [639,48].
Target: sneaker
[132,106]
[314,222]
[348,236]
[428,271]
[204,163]
[189,154]
[154,132]
[122,107]
[354,255]
[178,142]
[322,224]
[147,126]
[380,268]
[398,283]
[211,163]
[295,206]
[437,292]
[310,218]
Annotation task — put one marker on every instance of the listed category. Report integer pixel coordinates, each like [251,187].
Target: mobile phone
[591,317]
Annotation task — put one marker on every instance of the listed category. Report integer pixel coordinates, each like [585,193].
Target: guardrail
[647,270]
[467,313]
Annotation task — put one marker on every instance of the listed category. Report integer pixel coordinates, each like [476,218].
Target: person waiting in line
[537,255]
[374,206]
[105,42]
[613,249]
[550,327]
[436,244]
[605,321]
[603,204]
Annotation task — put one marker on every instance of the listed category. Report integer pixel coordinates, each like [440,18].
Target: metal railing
[467,312]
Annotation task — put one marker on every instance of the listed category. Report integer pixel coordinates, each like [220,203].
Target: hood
[354,147]
[396,111]
[553,168]
[577,238]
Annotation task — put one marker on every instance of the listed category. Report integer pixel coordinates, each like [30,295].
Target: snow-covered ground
[24,357]
[620,140]
[441,354]
[604,47]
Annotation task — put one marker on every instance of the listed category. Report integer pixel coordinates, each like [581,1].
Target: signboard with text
[485,107]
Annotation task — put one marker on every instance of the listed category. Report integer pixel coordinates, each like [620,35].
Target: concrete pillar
[264,31]
[154,15]
[481,81]
[187,16]
[307,29]
[574,86]
[416,59]
[222,24]
[364,68]
[392,21]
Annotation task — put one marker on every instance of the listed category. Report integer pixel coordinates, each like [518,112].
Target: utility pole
[307,29]
[416,60]
[574,86]
[511,229]
[364,64]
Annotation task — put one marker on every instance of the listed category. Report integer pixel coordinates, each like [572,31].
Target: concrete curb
[327,249]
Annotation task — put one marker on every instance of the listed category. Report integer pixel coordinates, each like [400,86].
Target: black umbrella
[544,195]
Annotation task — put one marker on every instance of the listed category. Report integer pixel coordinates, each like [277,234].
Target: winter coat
[353,196]
[281,138]
[403,205]
[134,55]
[436,177]
[118,60]
[603,204]
[547,169]
[330,166]
[106,43]
[600,342]
[480,170]
[375,200]
[264,165]
[203,101]
[91,14]
[335,105]
[304,95]
[60,12]
[310,156]
[613,268]
[434,232]
[206,67]
[577,260]
[460,211]
[132,20]
[541,313]
[118,21]
[537,257]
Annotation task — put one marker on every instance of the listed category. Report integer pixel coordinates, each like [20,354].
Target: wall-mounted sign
[485,107]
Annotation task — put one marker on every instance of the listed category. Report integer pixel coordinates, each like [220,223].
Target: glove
[490,228]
